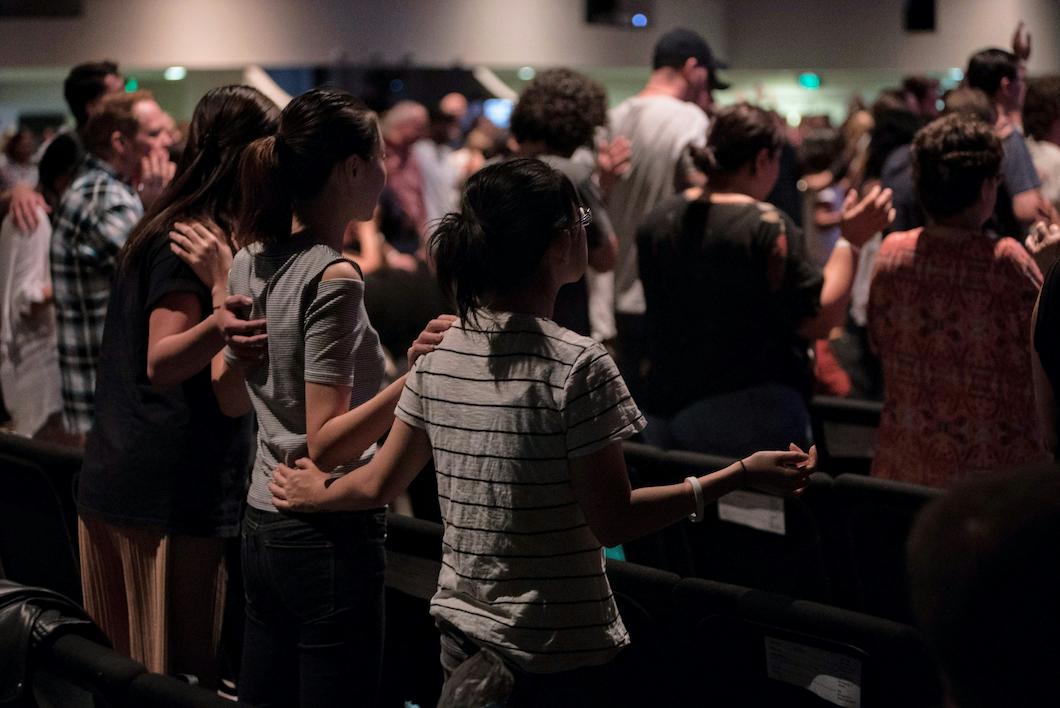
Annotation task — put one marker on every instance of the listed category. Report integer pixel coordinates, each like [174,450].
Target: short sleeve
[794,279]
[166,274]
[1017,167]
[410,407]
[597,407]
[335,324]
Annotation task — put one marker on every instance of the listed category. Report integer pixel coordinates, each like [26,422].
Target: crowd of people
[221,319]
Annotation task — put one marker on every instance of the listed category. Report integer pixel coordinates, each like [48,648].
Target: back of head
[56,167]
[820,148]
[116,113]
[971,102]
[509,215]
[560,108]
[919,87]
[986,68]
[678,46]
[894,123]
[405,122]
[317,130]
[984,584]
[86,83]
[226,120]
[952,157]
[737,134]
[1041,107]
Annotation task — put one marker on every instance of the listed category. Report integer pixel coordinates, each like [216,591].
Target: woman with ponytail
[314,582]
[164,473]
[525,421]
[734,300]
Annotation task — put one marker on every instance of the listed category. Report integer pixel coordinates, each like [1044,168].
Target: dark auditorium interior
[620,353]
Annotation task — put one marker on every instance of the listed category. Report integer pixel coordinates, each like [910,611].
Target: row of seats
[55,658]
[694,641]
[842,542]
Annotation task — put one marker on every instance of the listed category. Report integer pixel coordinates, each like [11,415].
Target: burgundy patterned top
[949,316]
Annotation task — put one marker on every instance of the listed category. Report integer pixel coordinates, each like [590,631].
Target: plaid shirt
[96,215]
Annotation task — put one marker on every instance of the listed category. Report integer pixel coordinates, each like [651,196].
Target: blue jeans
[314,612]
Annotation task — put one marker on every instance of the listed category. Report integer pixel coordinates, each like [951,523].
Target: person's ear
[761,161]
[118,143]
[1004,85]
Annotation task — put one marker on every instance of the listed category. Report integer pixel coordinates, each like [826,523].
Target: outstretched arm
[617,514]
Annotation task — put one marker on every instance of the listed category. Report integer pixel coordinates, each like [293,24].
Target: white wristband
[697,491]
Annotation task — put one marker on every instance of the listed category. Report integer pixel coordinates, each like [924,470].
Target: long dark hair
[509,214]
[225,122]
[317,130]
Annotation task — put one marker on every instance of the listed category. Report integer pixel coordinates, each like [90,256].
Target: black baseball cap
[679,45]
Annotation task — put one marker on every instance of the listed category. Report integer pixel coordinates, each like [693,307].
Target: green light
[131,84]
[809,80]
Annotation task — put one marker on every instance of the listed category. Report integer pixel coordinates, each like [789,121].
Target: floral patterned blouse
[949,316]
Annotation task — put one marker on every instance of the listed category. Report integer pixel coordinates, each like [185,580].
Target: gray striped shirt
[522,572]
[318,333]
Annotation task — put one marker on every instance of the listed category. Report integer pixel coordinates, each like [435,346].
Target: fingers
[277,492]
[850,200]
[257,341]
[790,458]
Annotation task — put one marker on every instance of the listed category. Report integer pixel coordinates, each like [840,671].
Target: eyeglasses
[585,216]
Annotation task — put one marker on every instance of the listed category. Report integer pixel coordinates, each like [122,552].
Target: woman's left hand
[302,488]
[430,337]
[203,246]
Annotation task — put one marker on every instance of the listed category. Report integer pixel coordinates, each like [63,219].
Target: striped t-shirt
[318,332]
[506,401]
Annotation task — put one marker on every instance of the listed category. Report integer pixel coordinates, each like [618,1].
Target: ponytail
[267,207]
[458,251]
[703,159]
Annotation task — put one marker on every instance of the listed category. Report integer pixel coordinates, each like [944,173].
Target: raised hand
[430,337]
[156,172]
[301,488]
[613,161]
[861,220]
[1021,42]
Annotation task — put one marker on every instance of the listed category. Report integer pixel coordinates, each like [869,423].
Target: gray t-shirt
[507,400]
[1017,167]
[318,333]
[660,130]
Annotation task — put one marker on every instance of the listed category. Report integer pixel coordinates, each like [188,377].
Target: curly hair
[561,108]
[952,157]
[1041,108]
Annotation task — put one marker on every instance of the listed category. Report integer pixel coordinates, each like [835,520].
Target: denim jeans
[314,612]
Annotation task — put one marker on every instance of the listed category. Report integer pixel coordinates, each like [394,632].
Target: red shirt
[949,315]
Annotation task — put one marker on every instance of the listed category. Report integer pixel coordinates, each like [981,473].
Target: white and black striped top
[318,332]
[507,400]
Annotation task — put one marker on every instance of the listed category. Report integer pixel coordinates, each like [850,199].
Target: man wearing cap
[660,122]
